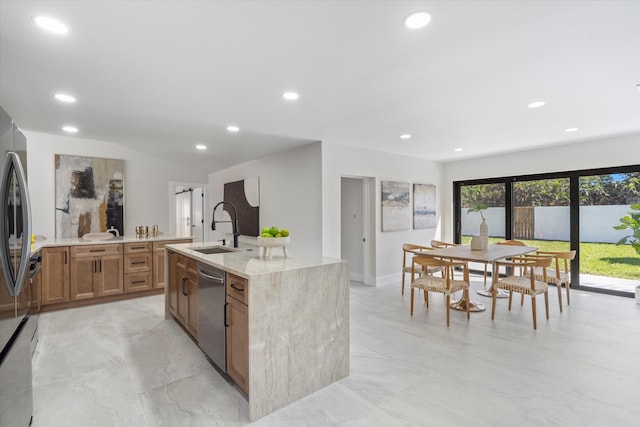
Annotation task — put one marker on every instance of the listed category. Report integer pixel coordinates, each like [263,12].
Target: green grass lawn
[601,259]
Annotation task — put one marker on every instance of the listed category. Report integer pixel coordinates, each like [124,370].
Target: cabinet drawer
[238,287]
[134,263]
[134,282]
[95,250]
[159,246]
[134,248]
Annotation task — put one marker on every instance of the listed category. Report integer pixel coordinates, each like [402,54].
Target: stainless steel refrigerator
[16,324]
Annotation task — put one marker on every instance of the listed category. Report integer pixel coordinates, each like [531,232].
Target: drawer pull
[138,281]
[139,262]
[237,288]
[138,247]
[97,250]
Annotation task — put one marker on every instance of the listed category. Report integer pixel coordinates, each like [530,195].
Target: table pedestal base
[487,293]
[461,305]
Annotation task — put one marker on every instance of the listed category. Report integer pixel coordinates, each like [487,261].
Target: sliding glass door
[604,199]
[573,210]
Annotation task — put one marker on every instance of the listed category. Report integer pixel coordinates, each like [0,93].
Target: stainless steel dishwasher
[211,314]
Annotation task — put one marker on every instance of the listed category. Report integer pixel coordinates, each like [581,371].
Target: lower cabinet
[238,332]
[183,291]
[55,275]
[159,281]
[96,270]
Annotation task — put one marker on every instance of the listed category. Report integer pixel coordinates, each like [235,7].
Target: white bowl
[98,236]
[273,242]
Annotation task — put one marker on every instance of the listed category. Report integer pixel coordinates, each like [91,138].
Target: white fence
[552,223]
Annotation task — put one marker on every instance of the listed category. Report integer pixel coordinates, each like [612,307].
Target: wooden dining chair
[559,275]
[519,279]
[407,249]
[447,284]
[503,242]
[440,244]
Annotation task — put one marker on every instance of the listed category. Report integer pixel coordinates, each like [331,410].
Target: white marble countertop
[80,241]
[246,261]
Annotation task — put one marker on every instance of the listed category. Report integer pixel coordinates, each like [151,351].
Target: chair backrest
[441,244]
[448,266]
[512,243]
[565,256]
[411,247]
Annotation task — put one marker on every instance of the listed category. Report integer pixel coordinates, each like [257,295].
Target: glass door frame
[574,210]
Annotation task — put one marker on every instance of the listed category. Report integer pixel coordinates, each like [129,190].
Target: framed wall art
[424,206]
[396,211]
[89,195]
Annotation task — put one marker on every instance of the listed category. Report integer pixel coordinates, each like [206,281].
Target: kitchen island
[297,316]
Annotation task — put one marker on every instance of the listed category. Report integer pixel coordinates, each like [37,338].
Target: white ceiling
[164,75]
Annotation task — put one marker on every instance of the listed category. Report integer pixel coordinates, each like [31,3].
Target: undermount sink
[213,250]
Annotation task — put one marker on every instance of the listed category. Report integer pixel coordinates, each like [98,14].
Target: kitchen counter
[80,241]
[298,316]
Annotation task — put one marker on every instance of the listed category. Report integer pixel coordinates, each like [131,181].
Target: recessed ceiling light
[571,129]
[201,147]
[63,97]
[290,96]
[536,104]
[50,24]
[457,149]
[405,136]
[70,129]
[417,20]
[233,128]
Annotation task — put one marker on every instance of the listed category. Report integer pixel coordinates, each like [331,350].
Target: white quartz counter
[122,239]
[246,261]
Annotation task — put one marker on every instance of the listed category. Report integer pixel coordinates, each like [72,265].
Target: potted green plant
[631,222]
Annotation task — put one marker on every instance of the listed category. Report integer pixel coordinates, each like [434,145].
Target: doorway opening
[357,227]
[187,208]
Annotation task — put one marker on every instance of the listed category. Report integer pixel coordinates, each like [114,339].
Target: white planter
[267,243]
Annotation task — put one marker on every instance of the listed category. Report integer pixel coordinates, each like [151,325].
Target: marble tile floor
[123,364]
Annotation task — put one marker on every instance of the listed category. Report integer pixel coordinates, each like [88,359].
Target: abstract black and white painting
[424,206]
[89,195]
[396,211]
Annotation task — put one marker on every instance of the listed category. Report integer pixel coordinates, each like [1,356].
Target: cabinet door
[238,343]
[109,275]
[55,275]
[83,278]
[192,309]
[183,296]
[174,288]
[158,269]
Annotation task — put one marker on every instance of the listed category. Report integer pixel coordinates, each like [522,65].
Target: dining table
[490,255]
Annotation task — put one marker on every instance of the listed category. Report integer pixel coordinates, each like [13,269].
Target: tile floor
[123,364]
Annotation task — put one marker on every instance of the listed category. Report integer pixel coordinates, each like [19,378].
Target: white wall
[609,152]
[290,197]
[352,225]
[146,179]
[339,161]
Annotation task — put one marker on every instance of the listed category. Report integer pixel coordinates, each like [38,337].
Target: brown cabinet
[96,270]
[138,261]
[159,280]
[183,291]
[55,275]
[238,331]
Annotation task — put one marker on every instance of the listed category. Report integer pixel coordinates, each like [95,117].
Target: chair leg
[468,300]
[510,297]
[485,277]
[559,285]
[568,286]
[403,274]
[533,310]
[412,290]
[446,301]
[546,303]
[426,298]
[494,294]
[521,300]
